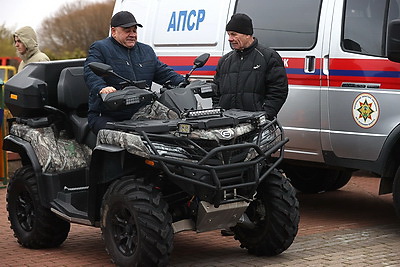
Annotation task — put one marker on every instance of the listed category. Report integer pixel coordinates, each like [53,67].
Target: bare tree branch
[74,27]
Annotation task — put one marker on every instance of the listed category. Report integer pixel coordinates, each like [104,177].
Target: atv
[173,167]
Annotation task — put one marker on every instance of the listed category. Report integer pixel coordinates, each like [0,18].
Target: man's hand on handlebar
[107,90]
[183,84]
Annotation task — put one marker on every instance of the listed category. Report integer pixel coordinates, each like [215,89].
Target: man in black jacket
[251,77]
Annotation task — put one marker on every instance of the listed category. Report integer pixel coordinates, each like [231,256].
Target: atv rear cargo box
[26,93]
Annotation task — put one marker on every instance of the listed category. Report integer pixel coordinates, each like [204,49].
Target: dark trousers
[98,123]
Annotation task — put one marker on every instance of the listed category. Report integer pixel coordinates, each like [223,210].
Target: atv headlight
[170,151]
[132,100]
[203,113]
[262,120]
[184,128]
[267,137]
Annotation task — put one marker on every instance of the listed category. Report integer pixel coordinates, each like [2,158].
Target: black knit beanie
[240,23]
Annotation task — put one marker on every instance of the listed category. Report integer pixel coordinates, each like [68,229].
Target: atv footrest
[63,207]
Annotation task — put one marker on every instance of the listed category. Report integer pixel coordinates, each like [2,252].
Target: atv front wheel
[274,217]
[34,225]
[136,225]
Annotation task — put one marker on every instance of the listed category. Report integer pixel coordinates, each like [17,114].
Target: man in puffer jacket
[251,77]
[25,42]
[128,58]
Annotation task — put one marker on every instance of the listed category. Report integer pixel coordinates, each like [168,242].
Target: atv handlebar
[203,88]
[135,93]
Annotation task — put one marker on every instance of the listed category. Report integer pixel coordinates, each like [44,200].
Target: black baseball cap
[124,19]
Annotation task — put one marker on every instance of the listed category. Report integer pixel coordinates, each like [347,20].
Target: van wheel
[34,225]
[314,180]
[274,218]
[342,179]
[396,192]
[136,225]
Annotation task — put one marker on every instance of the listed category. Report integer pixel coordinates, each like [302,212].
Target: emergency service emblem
[365,110]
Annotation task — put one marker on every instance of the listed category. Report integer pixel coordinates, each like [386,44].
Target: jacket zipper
[130,63]
[238,82]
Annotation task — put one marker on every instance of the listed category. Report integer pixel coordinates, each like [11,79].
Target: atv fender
[28,157]
[105,166]
[106,163]
[25,151]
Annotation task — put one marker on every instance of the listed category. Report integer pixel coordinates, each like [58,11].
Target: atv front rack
[224,173]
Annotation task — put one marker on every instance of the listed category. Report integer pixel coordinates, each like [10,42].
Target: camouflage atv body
[144,179]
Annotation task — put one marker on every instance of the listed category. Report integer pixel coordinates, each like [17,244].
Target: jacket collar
[248,49]
[120,45]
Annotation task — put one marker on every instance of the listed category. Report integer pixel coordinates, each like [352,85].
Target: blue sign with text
[186,20]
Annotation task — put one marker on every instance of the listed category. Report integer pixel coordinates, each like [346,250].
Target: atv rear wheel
[34,225]
[274,215]
[136,225]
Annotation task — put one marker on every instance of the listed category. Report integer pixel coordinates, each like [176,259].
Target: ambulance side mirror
[393,41]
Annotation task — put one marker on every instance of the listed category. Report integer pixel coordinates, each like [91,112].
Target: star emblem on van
[365,110]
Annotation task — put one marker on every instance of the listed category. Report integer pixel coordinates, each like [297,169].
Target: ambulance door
[361,102]
[295,29]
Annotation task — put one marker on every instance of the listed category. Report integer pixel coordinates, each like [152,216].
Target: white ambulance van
[342,110]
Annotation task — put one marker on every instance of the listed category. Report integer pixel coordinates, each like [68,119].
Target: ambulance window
[364,27]
[284,24]
[394,12]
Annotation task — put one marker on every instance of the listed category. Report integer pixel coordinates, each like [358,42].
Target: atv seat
[73,97]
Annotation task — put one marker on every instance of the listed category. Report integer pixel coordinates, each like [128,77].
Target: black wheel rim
[124,231]
[257,213]
[25,211]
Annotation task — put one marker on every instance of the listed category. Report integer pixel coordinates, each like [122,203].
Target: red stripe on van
[296,79]
[364,64]
[382,72]
[381,83]
[186,61]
